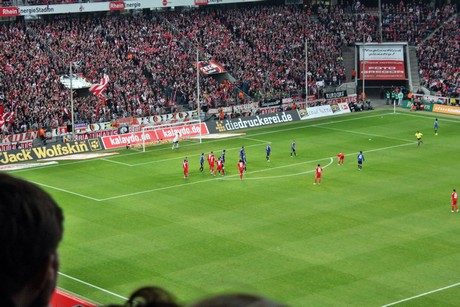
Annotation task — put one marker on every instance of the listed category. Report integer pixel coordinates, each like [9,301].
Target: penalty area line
[65,191]
[93,286]
[230,176]
[255,140]
[281,176]
[422,294]
[205,180]
[116,162]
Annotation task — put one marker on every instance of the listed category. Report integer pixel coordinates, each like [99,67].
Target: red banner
[154,136]
[211,67]
[383,70]
[62,299]
[11,11]
[16,146]
[117,6]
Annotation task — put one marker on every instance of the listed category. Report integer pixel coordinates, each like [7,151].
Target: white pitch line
[181,157]
[212,141]
[394,146]
[255,140]
[66,191]
[116,162]
[258,171]
[92,286]
[284,176]
[446,119]
[363,133]
[203,181]
[423,294]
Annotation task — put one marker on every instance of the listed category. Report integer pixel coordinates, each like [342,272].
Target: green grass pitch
[362,238]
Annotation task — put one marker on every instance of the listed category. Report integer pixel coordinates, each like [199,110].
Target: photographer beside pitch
[31,227]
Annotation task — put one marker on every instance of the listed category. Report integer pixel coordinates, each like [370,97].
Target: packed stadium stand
[149,56]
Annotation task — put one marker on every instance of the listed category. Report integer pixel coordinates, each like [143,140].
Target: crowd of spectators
[439,60]
[150,58]
[413,21]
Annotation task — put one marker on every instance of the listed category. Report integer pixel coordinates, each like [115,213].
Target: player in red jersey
[220,167]
[185,166]
[241,168]
[211,160]
[340,158]
[319,171]
[454,201]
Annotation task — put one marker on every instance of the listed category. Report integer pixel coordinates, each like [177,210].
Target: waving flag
[98,88]
[6,118]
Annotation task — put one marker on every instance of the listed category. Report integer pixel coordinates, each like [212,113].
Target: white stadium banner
[25,10]
[322,111]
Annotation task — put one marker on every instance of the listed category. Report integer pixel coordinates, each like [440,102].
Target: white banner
[316,112]
[322,111]
[12,11]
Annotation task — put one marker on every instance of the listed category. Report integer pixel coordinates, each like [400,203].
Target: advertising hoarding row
[166,134]
[25,10]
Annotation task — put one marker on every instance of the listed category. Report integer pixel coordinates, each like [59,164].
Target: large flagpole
[364,68]
[71,102]
[198,87]
[306,70]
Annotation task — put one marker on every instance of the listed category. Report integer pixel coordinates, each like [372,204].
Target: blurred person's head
[237,300]
[31,227]
[149,296]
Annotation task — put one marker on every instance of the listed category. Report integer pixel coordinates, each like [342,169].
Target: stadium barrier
[446,109]
[325,110]
[49,151]
[409,104]
[85,131]
[62,299]
[262,119]
[159,136]
[437,104]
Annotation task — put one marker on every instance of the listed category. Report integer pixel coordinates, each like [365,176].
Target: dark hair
[150,296]
[237,300]
[31,227]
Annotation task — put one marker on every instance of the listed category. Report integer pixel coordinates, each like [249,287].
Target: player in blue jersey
[244,161]
[293,149]
[436,126]
[360,160]
[268,150]
[202,162]
[242,152]
[223,156]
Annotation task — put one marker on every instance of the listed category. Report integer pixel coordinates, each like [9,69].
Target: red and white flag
[98,88]
[5,118]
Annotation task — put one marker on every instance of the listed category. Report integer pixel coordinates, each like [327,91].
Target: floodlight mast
[380,21]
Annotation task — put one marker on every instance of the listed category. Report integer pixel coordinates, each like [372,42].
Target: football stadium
[194,146]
